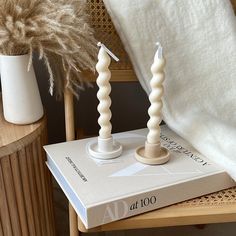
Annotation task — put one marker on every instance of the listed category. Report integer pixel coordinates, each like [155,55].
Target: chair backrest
[106,33]
[121,72]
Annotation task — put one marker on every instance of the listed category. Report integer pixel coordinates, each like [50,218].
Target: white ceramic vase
[20,94]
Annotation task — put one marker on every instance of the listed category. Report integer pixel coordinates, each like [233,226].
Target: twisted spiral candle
[103,93]
[105,147]
[155,96]
[152,153]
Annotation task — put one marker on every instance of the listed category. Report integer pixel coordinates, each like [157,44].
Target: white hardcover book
[102,191]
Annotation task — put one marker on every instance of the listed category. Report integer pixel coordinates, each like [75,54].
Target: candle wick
[99,44]
[159,50]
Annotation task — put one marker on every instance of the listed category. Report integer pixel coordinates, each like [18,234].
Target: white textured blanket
[199,41]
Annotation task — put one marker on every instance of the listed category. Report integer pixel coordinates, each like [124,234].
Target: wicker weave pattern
[223,197]
[106,33]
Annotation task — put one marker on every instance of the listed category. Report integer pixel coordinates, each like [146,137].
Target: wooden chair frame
[215,208]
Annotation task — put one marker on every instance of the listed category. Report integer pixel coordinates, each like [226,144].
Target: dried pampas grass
[57,30]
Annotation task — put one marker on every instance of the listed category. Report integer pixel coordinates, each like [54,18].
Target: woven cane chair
[214,208]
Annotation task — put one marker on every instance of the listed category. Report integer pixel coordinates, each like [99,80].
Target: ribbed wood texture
[25,184]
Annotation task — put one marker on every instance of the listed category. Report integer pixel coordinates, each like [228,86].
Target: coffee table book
[102,191]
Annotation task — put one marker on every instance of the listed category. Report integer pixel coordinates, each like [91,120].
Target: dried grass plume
[57,30]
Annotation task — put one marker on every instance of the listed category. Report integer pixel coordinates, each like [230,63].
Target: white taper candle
[153,153]
[105,147]
[103,83]
[155,96]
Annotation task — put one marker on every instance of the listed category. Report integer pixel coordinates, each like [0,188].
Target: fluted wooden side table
[25,184]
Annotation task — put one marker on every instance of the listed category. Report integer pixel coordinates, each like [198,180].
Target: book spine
[144,202]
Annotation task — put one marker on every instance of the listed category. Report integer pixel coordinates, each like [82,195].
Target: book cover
[102,191]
